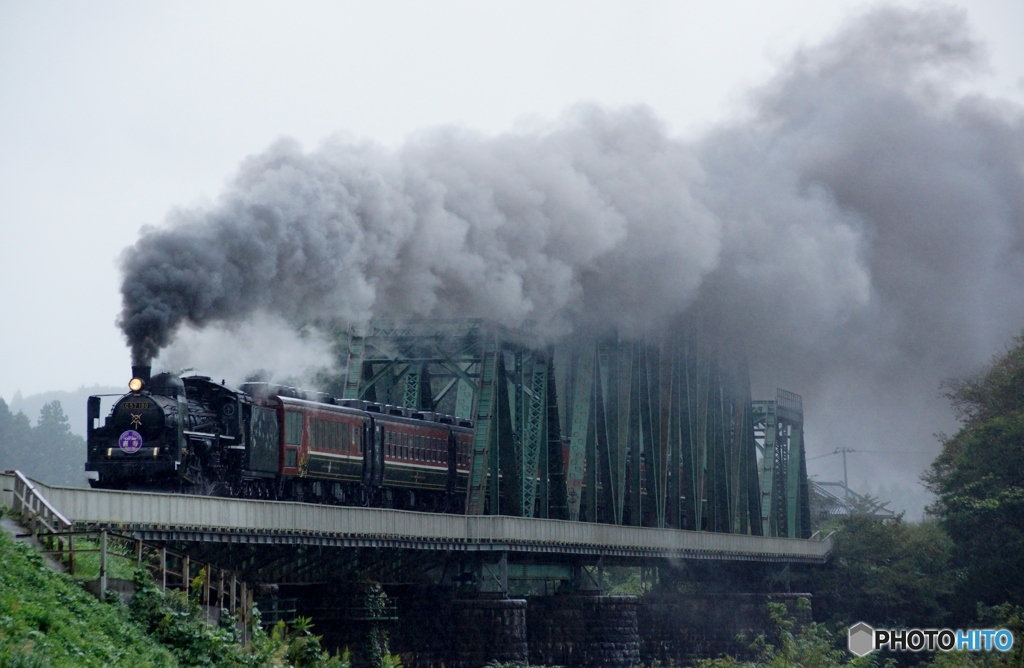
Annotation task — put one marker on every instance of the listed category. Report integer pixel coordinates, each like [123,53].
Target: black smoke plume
[861,230]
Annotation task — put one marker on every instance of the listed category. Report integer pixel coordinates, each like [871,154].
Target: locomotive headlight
[135,384]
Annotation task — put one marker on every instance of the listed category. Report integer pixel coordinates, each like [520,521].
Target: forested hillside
[47,450]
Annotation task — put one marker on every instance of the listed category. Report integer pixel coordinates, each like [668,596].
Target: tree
[59,454]
[48,451]
[978,480]
[886,573]
[15,438]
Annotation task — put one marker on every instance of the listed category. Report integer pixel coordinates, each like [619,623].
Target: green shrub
[47,619]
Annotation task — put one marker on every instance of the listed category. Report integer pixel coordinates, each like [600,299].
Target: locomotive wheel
[198,483]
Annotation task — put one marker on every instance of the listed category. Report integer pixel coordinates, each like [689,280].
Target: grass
[47,619]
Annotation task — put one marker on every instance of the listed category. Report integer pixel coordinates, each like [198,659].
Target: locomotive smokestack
[142,372]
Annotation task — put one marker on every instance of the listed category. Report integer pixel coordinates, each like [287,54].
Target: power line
[883,452]
[897,452]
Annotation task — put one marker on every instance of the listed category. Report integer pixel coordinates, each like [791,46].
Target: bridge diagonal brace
[476,491]
[584,390]
[533,436]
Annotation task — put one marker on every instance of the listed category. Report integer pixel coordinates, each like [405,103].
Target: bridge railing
[212,587]
[34,510]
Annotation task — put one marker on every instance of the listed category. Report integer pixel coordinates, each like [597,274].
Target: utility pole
[846,482]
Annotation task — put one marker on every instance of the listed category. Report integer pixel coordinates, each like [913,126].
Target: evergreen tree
[49,452]
[59,454]
[15,438]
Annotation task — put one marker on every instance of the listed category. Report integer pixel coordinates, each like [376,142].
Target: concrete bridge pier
[438,628]
[488,629]
[676,628]
[583,630]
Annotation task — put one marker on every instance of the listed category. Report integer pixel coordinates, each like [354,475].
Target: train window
[293,427]
[291,458]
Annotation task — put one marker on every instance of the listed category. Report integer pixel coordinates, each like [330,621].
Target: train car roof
[382,417]
[318,405]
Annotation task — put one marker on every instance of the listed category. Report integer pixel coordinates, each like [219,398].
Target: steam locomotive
[267,441]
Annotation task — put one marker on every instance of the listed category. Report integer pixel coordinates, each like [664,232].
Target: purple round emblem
[130,441]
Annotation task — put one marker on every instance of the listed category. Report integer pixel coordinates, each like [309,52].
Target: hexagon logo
[861,639]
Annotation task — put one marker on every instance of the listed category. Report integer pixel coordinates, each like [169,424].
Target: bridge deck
[194,518]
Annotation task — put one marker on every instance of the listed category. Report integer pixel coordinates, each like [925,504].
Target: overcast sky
[114,113]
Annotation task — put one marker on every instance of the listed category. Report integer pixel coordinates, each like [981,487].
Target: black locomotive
[268,441]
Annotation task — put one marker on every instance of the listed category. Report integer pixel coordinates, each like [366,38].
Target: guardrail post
[206,591]
[103,565]
[34,512]
[245,614]
[503,569]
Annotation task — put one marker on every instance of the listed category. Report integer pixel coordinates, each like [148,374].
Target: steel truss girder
[480,454]
[660,432]
[478,371]
[661,435]
[778,426]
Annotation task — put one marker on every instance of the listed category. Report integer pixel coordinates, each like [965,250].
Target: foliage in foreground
[47,619]
[811,646]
